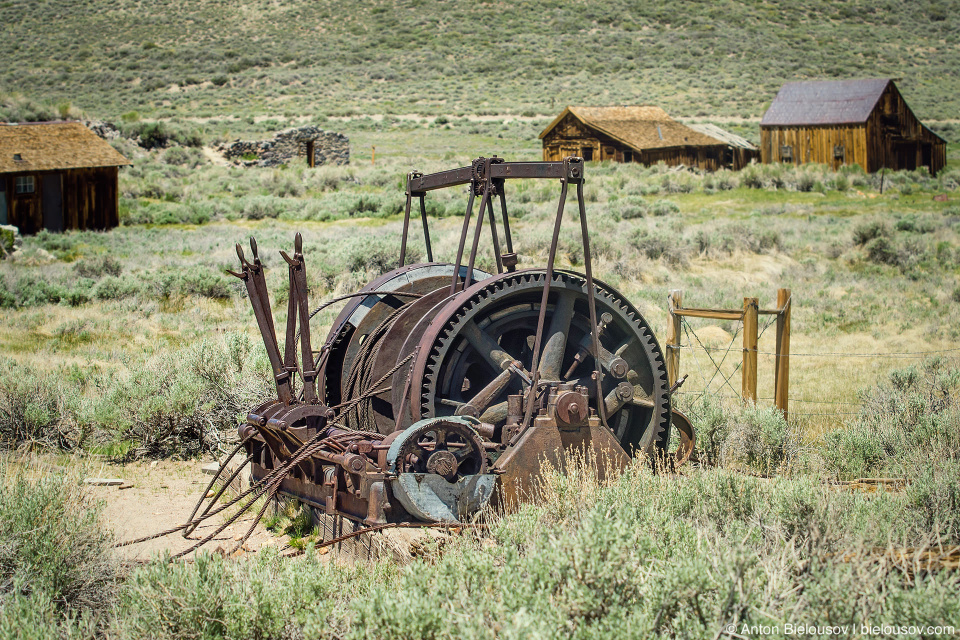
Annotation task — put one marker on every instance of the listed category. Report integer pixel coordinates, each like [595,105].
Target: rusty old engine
[441,386]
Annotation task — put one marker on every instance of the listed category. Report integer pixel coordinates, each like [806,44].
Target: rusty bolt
[442,463]
[355,464]
[619,368]
[571,408]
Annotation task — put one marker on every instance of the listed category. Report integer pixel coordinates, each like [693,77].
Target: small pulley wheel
[447,447]
[439,470]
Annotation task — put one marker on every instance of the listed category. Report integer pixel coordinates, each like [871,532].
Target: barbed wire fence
[725,390]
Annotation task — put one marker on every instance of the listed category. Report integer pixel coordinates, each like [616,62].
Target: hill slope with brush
[705,57]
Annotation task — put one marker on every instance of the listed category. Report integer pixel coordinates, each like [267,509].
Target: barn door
[926,151]
[52,200]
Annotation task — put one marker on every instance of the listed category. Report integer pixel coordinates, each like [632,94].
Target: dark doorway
[311,153]
[3,200]
[906,156]
[587,154]
[52,199]
[926,150]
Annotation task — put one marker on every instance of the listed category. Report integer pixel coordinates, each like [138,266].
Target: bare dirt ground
[159,495]
[162,496]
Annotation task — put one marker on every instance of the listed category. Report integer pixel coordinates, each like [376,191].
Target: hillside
[701,58]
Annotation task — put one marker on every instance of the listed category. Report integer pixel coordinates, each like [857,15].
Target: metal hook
[290,261]
[243,259]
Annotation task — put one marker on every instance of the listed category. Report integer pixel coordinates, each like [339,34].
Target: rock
[287,146]
[10,239]
[210,469]
[104,482]
[106,130]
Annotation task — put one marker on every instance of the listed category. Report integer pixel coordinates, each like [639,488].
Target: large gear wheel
[477,350]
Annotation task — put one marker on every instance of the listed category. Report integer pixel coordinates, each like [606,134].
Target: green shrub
[33,409]
[870,230]
[98,267]
[664,208]
[657,245]
[906,423]
[206,284]
[62,245]
[260,207]
[632,207]
[882,251]
[758,437]
[55,549]
[114,288]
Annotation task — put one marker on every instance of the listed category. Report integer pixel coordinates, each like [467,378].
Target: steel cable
[267,482]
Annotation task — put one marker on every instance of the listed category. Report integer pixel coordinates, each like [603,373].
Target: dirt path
[162,496]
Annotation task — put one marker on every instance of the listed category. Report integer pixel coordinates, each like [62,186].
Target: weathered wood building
[865,122]
[641,134]
[57,176]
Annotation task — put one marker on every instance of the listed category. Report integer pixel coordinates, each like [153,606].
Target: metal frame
[487,178]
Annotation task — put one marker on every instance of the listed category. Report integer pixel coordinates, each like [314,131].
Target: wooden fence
[749,316]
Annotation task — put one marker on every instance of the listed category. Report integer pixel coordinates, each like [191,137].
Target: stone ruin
[289,146]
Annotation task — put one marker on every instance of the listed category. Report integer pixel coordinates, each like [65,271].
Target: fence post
[673,337]
[751,306]
[781,379]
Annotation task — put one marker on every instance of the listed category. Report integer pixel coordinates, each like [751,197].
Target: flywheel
[477,350]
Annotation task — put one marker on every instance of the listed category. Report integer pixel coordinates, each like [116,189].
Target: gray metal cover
[825,102]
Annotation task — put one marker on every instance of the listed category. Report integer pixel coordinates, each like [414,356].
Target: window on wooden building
[25,184]
[839,152]
[587,154]
[786,152]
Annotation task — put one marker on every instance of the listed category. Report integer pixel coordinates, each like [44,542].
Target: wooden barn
[57,176]
[865,122]
[642,134]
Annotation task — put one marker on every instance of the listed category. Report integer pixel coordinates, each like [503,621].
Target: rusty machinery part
[477,350]
[439,470]
[361,316]
[687,437]
[439,382]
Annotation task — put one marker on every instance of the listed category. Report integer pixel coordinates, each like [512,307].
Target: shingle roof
[825,102]
[49,146]
[637,127]
[722,135]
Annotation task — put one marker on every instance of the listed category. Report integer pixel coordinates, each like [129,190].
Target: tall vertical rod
[538,340]
[782,376]
[751,307]
[592,303]
[406,225]
[673,337]
[426,228]
[495,237]
[463,239]
[484,201]
[506,220]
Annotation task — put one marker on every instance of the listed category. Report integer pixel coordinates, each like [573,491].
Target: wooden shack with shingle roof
[57,176]
[641,134]
[836,122]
